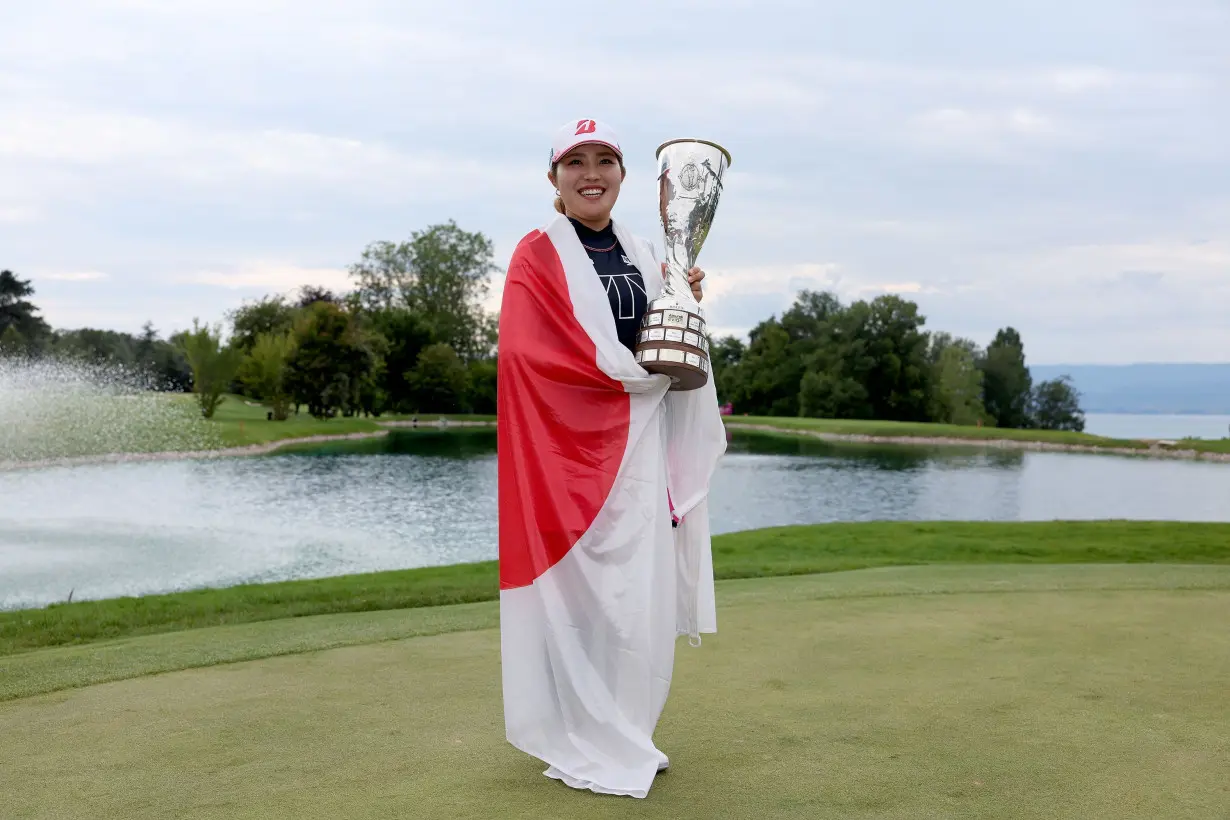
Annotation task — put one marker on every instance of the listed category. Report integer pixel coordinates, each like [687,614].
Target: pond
[427,498]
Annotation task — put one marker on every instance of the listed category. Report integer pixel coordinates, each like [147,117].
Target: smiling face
[588,178]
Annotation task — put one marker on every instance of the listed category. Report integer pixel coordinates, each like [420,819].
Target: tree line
[160,363]
[411,336]
[873,360]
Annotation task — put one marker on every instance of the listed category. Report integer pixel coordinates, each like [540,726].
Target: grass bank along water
[241,424]
[926,433]
[241,427]
[757,553]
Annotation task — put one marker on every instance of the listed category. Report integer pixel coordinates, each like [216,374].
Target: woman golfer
[596,584]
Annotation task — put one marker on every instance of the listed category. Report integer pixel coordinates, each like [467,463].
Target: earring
[557,191]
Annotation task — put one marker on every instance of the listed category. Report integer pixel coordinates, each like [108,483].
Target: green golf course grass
[988,690]
[756,553]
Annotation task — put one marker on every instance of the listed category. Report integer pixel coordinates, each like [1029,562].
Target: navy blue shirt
[625,288]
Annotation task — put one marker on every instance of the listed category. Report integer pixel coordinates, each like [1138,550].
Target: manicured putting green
[911,692]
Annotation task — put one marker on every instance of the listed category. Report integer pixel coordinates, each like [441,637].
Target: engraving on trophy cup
[689,186]
[687,177]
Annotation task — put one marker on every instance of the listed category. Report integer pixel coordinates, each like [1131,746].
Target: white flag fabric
[595,584]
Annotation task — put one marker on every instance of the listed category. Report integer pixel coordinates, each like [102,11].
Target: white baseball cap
[582,132]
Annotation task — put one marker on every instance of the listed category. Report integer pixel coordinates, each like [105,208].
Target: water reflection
[456,444]
[422,498]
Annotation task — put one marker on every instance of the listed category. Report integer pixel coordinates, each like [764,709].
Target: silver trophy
[672,336]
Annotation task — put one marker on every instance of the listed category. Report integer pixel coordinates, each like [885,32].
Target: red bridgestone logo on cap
[586,127]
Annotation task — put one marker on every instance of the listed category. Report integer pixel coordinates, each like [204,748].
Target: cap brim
[557,157]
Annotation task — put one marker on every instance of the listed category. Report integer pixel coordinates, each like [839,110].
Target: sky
[1059,167]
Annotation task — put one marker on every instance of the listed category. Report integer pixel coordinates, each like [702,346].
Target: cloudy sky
[1062,167]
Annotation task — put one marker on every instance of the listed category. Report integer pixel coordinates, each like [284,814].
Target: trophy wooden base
[683,376]
[672,342]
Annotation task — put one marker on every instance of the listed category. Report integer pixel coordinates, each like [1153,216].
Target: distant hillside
[1146,388]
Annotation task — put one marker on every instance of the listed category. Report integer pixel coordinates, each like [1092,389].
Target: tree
[1056,406]
[1006,380]
[871,363]
[831,395]
[264,371]
[725,354]
[12,343]
[166,364]
[406,334]
[898,381]
[955,381]
[809,321]
[838,367]
[486,334]
[441,273]
[333,363]
[146,342]
[383,271]
[17,313]
[957,388]
[98,346]
[766,381]
[213,364]
[270,314]
[439,380]
[311,294]
[481,395]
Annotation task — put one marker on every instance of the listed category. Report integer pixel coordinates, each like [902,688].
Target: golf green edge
[777,551]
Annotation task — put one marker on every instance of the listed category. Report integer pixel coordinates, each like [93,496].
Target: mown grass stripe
[756,553]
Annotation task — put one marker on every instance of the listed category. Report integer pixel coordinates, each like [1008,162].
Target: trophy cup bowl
[672,339]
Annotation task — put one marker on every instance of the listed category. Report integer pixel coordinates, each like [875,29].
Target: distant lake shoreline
[1178,389]
[1103,411]
[1173,426]
[1122,426]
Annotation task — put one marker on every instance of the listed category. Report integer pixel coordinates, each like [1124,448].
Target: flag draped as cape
[595,584]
